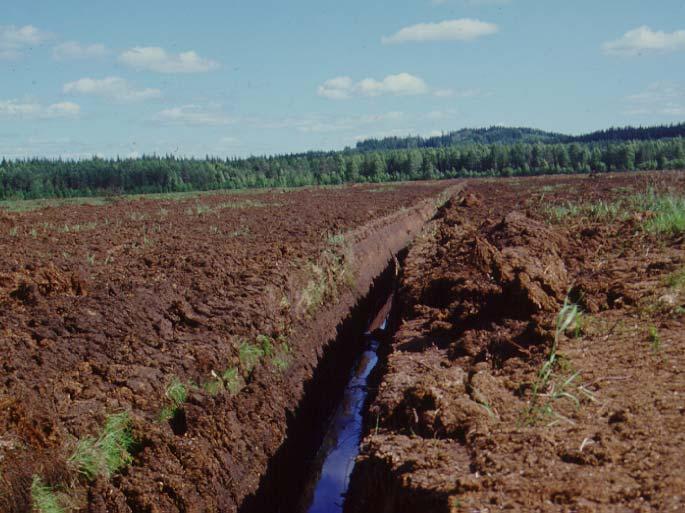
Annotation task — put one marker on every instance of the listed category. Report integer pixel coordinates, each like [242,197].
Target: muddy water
[335,460]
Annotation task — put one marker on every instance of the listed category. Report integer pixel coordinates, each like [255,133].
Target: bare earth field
[539,357]
[179,353]
[153,349]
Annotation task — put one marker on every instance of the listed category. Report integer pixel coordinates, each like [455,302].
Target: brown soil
[457,424]
[101,306]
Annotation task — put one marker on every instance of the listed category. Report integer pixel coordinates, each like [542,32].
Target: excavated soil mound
[505,275]
[485,406]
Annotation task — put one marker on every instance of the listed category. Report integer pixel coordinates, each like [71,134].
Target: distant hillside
[513,135]
[491,135]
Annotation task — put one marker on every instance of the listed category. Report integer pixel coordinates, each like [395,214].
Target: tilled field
[539,359]
[192,320]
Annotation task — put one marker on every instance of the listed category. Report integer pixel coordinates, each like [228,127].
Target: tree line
[513,135]
[42,178]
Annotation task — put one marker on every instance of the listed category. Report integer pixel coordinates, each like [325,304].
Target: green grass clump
[43,498]
[176,393]
[249,355]
[231,380]
[266,344]
[108,453]
[669,218]
[213,386]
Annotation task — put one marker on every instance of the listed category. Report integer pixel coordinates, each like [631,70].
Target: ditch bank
[334,342]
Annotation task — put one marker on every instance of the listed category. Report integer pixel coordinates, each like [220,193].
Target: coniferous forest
[495,151]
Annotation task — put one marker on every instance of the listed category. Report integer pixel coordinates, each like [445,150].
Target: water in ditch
[335,459]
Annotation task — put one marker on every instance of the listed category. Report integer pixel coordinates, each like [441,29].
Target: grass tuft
[249,355]
[232,380]
[668,212]
[177,393]
[546,389]
[43,498]
[108,453]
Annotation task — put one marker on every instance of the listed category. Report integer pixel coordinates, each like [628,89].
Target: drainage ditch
[310,472]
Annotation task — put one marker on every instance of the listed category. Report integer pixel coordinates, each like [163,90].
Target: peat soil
[468,416]
[103,306]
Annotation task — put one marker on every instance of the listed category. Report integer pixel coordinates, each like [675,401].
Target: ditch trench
[310,471]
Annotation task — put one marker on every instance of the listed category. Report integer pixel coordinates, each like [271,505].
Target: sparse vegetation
[663,213]
[176,393]
[668,213]
[249,355]
[548,387]
[106,454]
[43,498]
[654,340]
[337,240]
[231,379]
[676,280]
[281,360]
[327,276]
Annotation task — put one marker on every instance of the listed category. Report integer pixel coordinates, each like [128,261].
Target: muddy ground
[103,307]
[487,404]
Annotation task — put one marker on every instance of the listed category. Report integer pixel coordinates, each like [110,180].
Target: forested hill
[492,135]
[513,135]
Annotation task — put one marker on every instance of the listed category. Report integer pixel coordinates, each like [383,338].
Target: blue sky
[238,78]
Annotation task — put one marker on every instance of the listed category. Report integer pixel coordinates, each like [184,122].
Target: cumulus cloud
[154,58]
[18,109]
[74,50]
[14,40]
[645,40]
[661,98]
[341,88]
[193,115]
[115,88]
[464,29]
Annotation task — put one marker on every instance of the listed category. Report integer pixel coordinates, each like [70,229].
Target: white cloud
[14,40]
[327,124]
[193,115]
[115,88]
[28,110]
[154,58]
[457,93]
[74,50]
[643,40]
[464,29]
[63,109]
[341,88]
[660,98]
